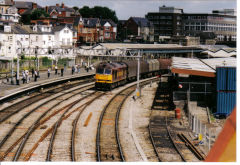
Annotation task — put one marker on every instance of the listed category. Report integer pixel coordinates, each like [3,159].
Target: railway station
[110,81]
[139,103]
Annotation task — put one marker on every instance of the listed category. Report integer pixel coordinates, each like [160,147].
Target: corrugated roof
[215,62]
[142,46]
[222,53]
[200,67]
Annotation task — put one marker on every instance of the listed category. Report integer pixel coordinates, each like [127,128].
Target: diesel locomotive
[112,74]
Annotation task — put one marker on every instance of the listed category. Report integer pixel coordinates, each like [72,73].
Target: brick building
[139,29]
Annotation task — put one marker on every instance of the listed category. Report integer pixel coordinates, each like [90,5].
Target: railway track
[167,137]
[17,107]
[80,108]
[108,145]
[35,124]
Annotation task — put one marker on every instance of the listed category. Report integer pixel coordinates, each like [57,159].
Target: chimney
[57,5]
[63,5]
[46,9]
[34,5]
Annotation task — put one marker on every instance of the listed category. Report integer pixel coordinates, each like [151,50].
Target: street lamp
[37,60]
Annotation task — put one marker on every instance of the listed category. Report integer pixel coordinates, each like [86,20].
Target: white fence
[205,131]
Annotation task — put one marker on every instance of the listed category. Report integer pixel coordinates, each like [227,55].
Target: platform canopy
[200,67]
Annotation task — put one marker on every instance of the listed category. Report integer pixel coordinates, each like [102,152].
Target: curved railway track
[81,108]
[7,112]
[36,123]
[108,145]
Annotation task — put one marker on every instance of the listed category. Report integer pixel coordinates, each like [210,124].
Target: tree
[98,12]
[75,8]
[36,14]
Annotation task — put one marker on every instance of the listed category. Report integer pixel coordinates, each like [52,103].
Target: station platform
[6,88]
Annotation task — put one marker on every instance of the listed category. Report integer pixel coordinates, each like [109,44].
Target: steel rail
[58,123]
[175,146]
[191,146]
[101,118]
[72,150]
[32,128]
[16,105]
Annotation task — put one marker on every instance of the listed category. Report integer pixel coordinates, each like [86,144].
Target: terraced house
[35,40]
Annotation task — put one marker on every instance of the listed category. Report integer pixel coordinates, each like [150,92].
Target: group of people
[36,75]
[26,76]
[56,71]
[75,69]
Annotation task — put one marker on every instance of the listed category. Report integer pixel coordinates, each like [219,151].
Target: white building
[40,40]
[8,12]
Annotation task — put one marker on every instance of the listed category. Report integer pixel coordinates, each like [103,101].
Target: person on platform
[27,76]
[48,72]
[35,75]
[78,67]
[32,72]
[62,72]
[73,70]
[23,76]
[56,70]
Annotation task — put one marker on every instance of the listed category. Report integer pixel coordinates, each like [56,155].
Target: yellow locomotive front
[110,75]
[103,76]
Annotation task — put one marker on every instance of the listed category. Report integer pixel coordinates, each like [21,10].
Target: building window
[66,31]
[9,38]
[107,28]
[36,38]
[107,34]
[49,38]
[26,39]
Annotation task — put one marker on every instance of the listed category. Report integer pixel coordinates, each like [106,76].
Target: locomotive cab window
[107,71]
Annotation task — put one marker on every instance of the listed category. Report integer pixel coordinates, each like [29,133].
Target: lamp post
[37,60]
[138,93]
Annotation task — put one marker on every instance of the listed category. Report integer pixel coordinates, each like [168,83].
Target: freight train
[112,74]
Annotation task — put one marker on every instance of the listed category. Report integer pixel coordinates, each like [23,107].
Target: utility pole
[18,54]
[138,76]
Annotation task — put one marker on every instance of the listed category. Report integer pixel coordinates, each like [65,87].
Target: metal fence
[205,131]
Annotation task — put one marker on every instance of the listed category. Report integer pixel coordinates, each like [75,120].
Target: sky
[127,8]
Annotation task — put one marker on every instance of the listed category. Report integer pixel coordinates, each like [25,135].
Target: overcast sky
[127,8]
